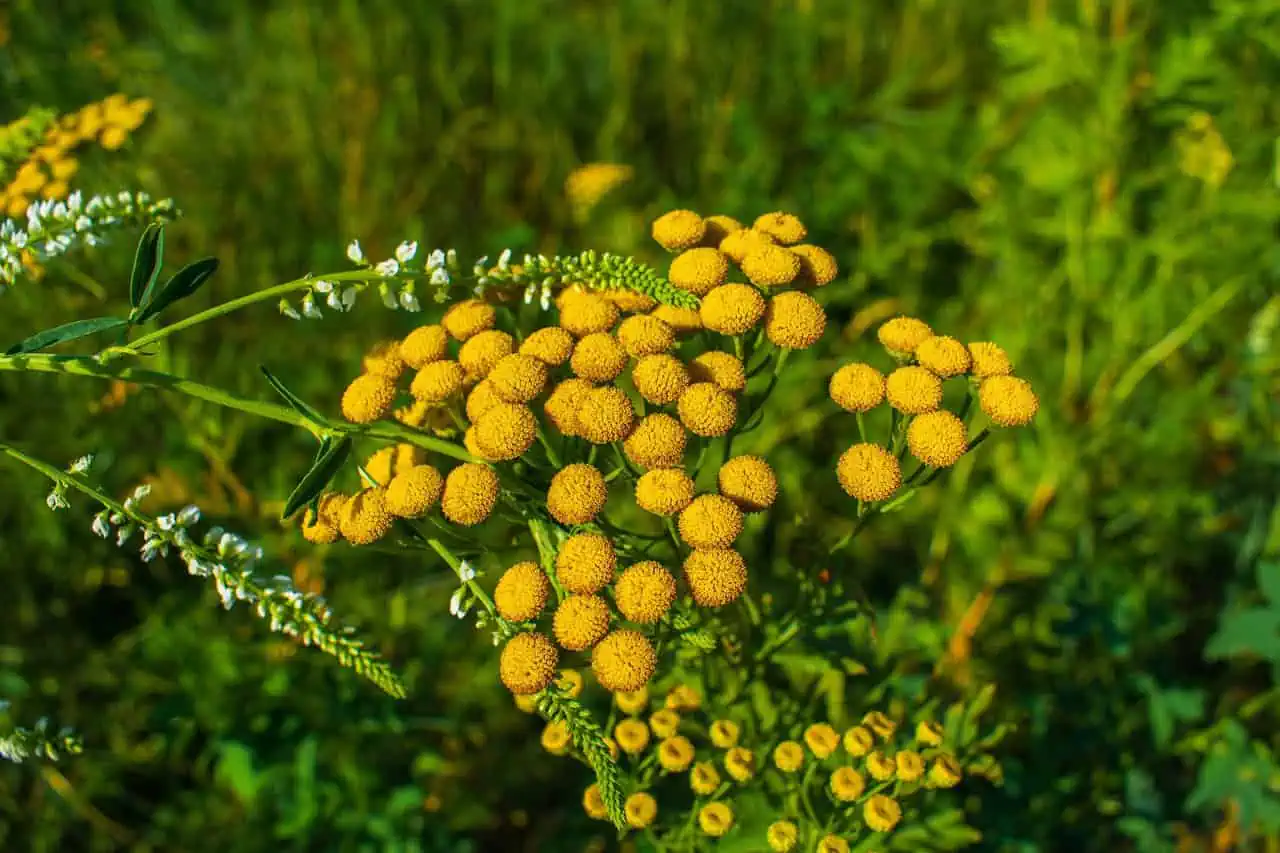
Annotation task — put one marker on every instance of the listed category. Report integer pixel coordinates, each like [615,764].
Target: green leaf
[66,332]
[327,464]
[146,264]
[292,399]
[185,282]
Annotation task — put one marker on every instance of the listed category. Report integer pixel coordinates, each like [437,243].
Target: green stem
[456,564]
[552,456]
[64,479]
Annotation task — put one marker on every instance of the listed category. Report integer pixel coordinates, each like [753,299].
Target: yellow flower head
[425,416]
[481,399]
[771,266]
[719,227]
[738,244]
[740,763]
[683,698]
[788,756]
[577,494]
[749,482]
[1008,400]
[641,808]
[483,350]
[411,493]
[704,778]
[880,723]
[469,318]
[715,819]
[818,267]
[470,493]
[581,621]
[937,438]
[783,836]
[910,765]
[685,321]
[868,472]
[630,301]
[606,415]
[699,270]
[570,681]
[632,702]
[368,398]
[590,182]
[329,507]
[556,738]
[724,734]
[783,227]
[944,772]
[707,410]
[857,387]
[658,441]
[881,767]
[715,578]
[675,754]
[794,320]
[881,813]
[660,378]
[593,803]
[385,463]
[710,521]
[506,431]
[719,368]
[644,592]
[364,518]
[624,661]
[944,356]
[642,334]
[586,563]
[830,843]
[384,359]
[552,346]
[528,663]
[901,335]
[821,739]
[583,313]
[563,403]
[437,381]
[469,444]
[664,491]
[55,190]
[318,531]
[678,229]
[521,593]
[858,741]
[598,357]
[664,722]
[988,360]
[913,390]
[732,309]
[847,784]
[423,345]
[632,736]
[929,733]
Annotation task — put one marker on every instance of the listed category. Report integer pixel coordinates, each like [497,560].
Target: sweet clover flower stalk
[40,741]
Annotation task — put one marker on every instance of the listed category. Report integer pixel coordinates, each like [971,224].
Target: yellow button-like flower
[929,733]
[483,350]
[724,733]
[719,368]
[642,335]
[685,321]
[598,357]
[783,836]
[329,507]
[437,381]
[470,493]
[469,444]
[857,387]
[658,441]
[386,462]
[368,398]
[664,491]
[719,227]
[413,492]
[913,390]
[858,741]
[944,356]
[644,592]
[481,399]
[664,722]
[847,784]
[563,403]
[771,266]
[988,360]
[818,267]
[868,472]
[383,358]
[660,378]
[740,763]
[506,431]
[593,803]
[901,335]
[316,530]
[521,593]
[632,736]
[881,767]
[606,415]
[630,301]
[788,756]
[623,661]
[577,494]
[64,170]
[715,819]
[881,813]
[552,346]
[675,754]
[585,563]
[710,521]
[581,621]
[632,702]
[1008,400]
[880,723]
[910,765]
[570,681]
[683,698]
[749,482]
[528,663]
[794,320]
[831,843]
[707,410]
[699,270]
[786,228]
[469,318]
[556,738]
[583,313]
[518,378]
[704,778]
[364,518]
[715,578]
[738,244]
[678,229]
[732,309]
[945,772]
[641,809]
[937,438]
[821,739]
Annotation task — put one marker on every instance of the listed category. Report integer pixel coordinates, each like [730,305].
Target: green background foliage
[1025,172]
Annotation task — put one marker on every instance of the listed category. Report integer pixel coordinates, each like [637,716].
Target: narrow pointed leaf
[185,282]
[146,264]
[66,332]
[328,464]
[293,399]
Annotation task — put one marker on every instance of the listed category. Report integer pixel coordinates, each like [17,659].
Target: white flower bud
[405,251]
[355,253]
[388,268]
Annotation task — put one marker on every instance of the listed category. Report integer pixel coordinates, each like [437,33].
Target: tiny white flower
[309,309]
[478,290]
[287,310]
[387,268]
[189,515]
[334,301]
[504,260]
[406,250]
[322,286]
[141,492]
[440,276]
[530,292]
[349,298]
[151,549]
[100,526]
[455,603]
[497,638]
[436,259]
[466,572]
[56,501]
[545,302]
[388,296]
[355,253]
[451,259]
[82,465]
[409,300]
[167,522]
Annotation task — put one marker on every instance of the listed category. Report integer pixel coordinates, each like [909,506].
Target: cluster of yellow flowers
[51,165]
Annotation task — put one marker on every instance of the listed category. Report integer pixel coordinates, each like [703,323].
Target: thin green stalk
[456,564]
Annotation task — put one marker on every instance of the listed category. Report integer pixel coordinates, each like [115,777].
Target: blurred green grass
[1009,171]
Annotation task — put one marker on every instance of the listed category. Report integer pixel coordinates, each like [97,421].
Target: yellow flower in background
[880,723]
[832,844]
[664,722]
[641,809]
[929,733]
[591,182]
[740,763]
[675,754]
[788,756]
[881,813]
[847,784]
[683,698]
[821,739]
[632,736]
[593,803]
[782,835]
[624,660]
[704,778]
[1203,154]
[556,738]
[715,819]
[632,702]
[645,592]
[724,733]
[678,230]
